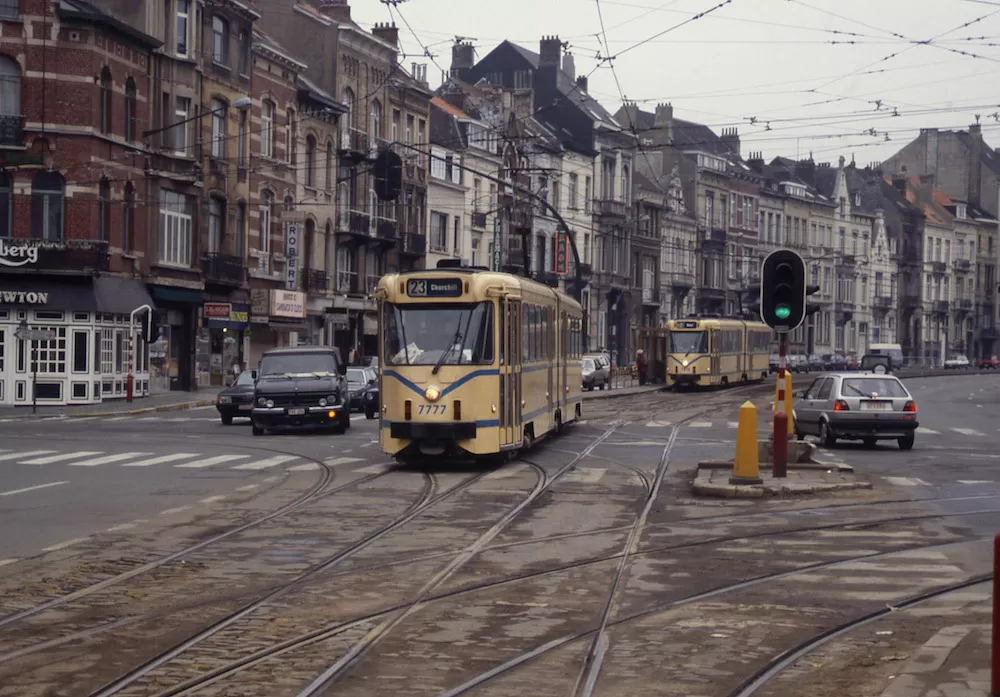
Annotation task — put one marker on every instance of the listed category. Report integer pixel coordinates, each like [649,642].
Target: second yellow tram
[712,352]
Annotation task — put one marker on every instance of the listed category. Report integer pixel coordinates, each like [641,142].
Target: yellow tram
[703,352]
[474,363]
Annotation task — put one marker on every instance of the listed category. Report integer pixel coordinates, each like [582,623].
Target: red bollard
[995,663]
[779,446]
[129,386]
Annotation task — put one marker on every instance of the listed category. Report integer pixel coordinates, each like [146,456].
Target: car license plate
[296,412]
[876,406]
[246,407]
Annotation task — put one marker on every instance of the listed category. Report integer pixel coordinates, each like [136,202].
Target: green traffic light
[782,312]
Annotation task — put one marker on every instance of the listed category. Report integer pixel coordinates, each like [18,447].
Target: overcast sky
[819,73]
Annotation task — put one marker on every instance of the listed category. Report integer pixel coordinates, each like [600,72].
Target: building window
[241,226]
[241,144]
[330,183]
[395,124]
[439,231]
[345,270]
[51,354]
[104,210]
[182,112]
[106,95]
[375,127]
[216,225]
[183,26]
[267,128]
[290,136]
[266,213]
[48,203]
[175,229]
[219,118]
[130,110]
[220,40]
[6,204]
[311,161]
[128,218]
[372,270]
[244,57]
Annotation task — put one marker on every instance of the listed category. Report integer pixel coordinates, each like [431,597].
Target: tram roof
[480,280]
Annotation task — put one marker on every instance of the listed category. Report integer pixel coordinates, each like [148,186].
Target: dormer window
[960,211]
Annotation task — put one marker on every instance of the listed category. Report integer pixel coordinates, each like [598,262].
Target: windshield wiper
[451,346]
[402,330]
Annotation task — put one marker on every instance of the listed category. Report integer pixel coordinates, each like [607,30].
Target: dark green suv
[301,386]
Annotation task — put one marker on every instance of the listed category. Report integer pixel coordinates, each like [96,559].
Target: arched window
[373,269]
[289,203]
[106,92]
[311,250]
[128,218]
[375,126]
[48,206]
[10,101]
[345,120]
[290,136]
[329,166]
[268,132]
[266,212]
[104,210]
[346,273]
[216,225]
[220,40]
[6,204]
[130,110]
[220,117]
[311,161]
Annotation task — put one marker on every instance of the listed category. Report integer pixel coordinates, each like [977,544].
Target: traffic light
[811,308]
[388,172]
[783,290]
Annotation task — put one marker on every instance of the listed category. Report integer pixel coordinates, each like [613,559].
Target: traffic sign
[35,334]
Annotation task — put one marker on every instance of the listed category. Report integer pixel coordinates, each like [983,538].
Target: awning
[177,295]
[111,294]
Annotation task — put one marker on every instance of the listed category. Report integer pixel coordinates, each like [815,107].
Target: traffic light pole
[779,444]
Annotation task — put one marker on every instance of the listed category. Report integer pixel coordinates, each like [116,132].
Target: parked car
[854,406]
[798,363]
[815,363]
[237,399]
[989,363]
[301,386]
[851,362]
[772,362]
[956,362]
[362,383]
[595,373]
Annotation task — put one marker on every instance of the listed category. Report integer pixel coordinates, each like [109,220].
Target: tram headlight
[684,363]
[432,394]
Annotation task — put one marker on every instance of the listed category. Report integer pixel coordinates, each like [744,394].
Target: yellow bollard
[788,399]
[746,469]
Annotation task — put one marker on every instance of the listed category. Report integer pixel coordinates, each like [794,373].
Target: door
[808,408]
[6,367]
[510,373]
[550,356]
[713,347]
[562,389]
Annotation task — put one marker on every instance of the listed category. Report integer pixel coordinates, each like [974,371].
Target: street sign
[35,334]
[562,252]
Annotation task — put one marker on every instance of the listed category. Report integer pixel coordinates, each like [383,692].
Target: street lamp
[241,104]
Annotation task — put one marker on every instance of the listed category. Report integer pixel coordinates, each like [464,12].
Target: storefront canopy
[111,294]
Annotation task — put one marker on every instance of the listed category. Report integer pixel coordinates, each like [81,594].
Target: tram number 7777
[432,409]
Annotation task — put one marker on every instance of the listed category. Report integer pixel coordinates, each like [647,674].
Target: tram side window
[526,315]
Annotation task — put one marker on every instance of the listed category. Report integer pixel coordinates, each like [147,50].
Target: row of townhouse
[208,159]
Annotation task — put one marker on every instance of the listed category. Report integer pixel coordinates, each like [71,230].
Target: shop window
[119,353]
[107,387]
[98,364]
[20,390]
[81,345]
[22,356]
[51,354]
[79,390]
[97,390]
[81,316]
[108,352]
[49,390]
[41,314]
[3,336]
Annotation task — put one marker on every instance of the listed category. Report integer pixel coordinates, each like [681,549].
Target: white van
[894,351]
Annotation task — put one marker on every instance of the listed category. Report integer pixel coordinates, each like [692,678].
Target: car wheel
[227,419]
[346,423]
[257,430]
[826,436]
[869,442]
[906,442]
[370,415]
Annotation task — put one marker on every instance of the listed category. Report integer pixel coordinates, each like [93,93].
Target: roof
[687,134]
[311,90]
[641,181]
[85,11]
[449,108]
[989,156]
[262,40]
[932,210]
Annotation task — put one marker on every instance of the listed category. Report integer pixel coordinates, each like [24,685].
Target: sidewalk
[167,401]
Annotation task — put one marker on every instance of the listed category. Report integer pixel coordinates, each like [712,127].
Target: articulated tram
[474,363]
[704,352]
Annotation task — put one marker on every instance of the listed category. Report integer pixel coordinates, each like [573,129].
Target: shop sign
[288,303]
[292,255]
[237,317]
[18,254]
[260,304]
[19,297]
[562,253]
[218,310]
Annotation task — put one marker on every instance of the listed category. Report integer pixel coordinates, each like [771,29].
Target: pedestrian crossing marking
[14,456]
[269,462]
[48,460]
[584,475]
[208,462]
[160,460]
[928,431]
[967,431]
[107,459]
[700,424]
[654,424]
[334,461]
[304,468]
[906,481]
[733,424]
[374,469]
[976,481]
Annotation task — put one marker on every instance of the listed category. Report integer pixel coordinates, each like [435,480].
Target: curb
[179,406]
[758,491]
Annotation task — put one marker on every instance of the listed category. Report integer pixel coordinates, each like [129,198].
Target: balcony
[549,278]
[316,281]
[651,297]
[354,223]
[412,244]
[962,265]
[615,209]
[939,268]
[223,269]
[11,130]
[56,256]
[911,300]
[385,229]
[479,220]
[941,307]
[989,333]
[845,305]
[354,142]
[711,293]
[847,263]
[963,304]
[883,302]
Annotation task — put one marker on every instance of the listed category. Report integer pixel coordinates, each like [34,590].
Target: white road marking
[5,562]
[84,418]
[212,499]
[246,487]
[304,468]
[898,568]
[928,431]
[116,418]
[976,481]
[171,511]
[334,461]
[967,431]
[585,475]
[700,424]
[29,453]
[64,545]
[119,528]
[264,464]
[658,443]
[160,460]
[208,462]
[906,481]
[374,469]
[58,458]
[654,424]
[204,408]
[107,459]
[31,488]
[733,424]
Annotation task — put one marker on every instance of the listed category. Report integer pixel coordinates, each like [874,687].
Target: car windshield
[245,379]
[865,387]
[688,342]
[297,365]
[357,376]
[588,365]
[438,333]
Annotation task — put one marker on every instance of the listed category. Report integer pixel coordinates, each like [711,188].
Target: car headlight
[370,396]
[262,402]
[322,401]
[332,399]
[269,403]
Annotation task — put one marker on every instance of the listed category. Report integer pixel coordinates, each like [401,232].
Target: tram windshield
[688,342]
[438,334]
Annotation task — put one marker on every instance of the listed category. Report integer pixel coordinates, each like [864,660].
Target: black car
[237,399]
[363,386]
[301,386]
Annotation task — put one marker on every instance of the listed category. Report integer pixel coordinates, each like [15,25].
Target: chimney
[664,118]
[581,83]
[899,181]
[387,32]
[337,10]
[569,67]
[549,49]
[975,165]
[926,192]
[756,161]
[631,115]
[463,57]
[806,171]
[731,139]
[547,78]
